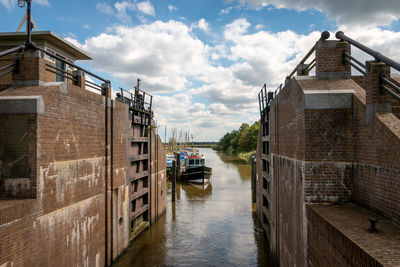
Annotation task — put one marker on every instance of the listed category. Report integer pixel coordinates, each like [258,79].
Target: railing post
[253,179]
[106,89]
[376,100]
[79,75]
[302,70]
[173,179]
[329,59]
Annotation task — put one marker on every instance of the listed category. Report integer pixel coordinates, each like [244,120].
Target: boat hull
[199,174]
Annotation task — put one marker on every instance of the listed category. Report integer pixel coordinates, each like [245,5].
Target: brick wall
[327,246]
[376,168]
[287,124]
[335,138]
[65,224]
[158,178]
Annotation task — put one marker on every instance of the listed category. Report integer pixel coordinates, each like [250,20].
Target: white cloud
[42,2]
[147,8]
[202,24]
[7,4]
[169,58]
[172,8]
[105,8]
[226,10]
[121,10]
[360,12]
[163,54]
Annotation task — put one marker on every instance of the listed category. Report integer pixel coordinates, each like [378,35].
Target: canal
[211,226]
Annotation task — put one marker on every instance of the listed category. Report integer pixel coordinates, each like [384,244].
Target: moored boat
[196,171]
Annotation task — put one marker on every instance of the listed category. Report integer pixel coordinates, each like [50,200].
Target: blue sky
[205,61]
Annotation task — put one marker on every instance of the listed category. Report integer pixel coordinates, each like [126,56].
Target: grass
[246,156]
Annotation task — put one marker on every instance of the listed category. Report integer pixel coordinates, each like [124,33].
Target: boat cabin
[196,161]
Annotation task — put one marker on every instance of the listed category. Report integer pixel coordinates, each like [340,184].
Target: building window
[59,74]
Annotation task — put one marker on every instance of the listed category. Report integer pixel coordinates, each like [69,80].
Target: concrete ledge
[62,86]
[23,83]
[328,99]
[22,104]
[326,44]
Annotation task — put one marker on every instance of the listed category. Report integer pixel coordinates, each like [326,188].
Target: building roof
[39,37]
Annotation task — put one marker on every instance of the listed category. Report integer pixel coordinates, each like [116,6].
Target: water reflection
[206,226]
[196,192]
[243,168]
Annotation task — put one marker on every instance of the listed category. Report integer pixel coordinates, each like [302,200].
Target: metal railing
[71,76]
[304,67]
[264,100]
[14,66]
[138,101]
[386,84]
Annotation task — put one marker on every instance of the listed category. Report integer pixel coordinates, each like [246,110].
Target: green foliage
[242,140]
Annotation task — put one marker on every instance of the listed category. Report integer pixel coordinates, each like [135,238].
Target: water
[213,226]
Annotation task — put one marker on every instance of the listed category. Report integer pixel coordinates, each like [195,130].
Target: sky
[205,61]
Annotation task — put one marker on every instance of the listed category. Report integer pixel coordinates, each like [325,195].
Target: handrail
[14,64]
[12,50]
[134,101]
[301,62]
[324,35]
[378,56]
[72,64]
[384,83]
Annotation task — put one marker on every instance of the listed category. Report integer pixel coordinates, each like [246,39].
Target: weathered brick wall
[376,169]
[327,246]
[65,225]
[158,177]
[120,195]
[287,151]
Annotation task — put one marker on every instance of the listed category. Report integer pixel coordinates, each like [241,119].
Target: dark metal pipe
[355,66]
[96,88]
[354,59]
[390,92]
[378,56]
[72,64]
[391,84]
[61,74]
[61,70]
[7,66]
[173,179]
[28,25]
[12,50]
[6,72]
[89,82]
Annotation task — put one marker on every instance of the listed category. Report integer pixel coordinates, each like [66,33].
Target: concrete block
[328,99]
[62,86]
[22,104]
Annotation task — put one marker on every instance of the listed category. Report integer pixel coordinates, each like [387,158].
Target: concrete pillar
[376,100]
[329,60]
[80,76]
